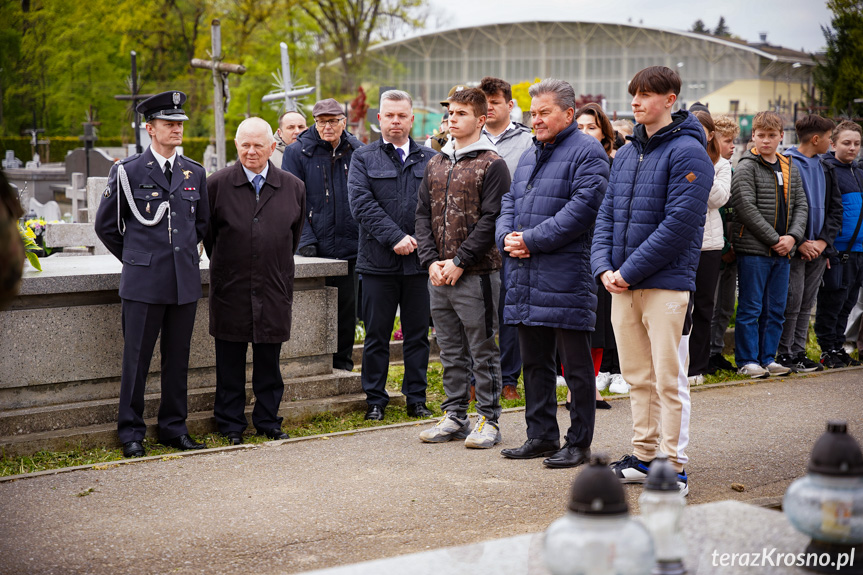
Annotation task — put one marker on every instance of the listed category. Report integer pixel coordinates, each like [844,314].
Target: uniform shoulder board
[188,159]
[128,159]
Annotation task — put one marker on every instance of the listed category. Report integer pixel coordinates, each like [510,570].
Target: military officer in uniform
[152,216]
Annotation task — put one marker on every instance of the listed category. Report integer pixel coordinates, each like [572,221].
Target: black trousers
[381,295]
[539,347]
[347,321]
[706,279]
[267,385]
[142,323]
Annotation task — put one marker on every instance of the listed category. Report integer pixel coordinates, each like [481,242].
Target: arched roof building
[598,58]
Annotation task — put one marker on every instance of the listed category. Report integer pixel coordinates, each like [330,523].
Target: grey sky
[792,24]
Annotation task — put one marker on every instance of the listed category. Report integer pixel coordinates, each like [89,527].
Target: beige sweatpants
[652,328]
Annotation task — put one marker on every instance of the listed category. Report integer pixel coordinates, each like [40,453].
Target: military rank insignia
[107,193]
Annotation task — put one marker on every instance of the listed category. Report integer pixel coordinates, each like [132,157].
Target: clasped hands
[513,243]
[406,246]
[614,282]
[444,273]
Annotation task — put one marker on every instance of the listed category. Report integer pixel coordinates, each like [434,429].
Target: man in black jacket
[321,157]
[382,189]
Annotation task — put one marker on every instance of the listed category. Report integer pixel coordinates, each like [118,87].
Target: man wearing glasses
[321,160]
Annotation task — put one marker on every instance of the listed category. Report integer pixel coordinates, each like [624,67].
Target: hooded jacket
[459,201]
[512,144]
[651,222]
[755,198]
[847,181]
[555,195]
[324,171]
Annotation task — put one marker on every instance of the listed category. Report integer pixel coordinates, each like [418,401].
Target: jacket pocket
[191,196]
[136,258]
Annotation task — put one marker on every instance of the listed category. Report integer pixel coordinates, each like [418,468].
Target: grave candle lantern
[827,503]
[597,536]
[661,510]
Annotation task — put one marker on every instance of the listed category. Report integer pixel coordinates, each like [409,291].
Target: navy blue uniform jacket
[155,269]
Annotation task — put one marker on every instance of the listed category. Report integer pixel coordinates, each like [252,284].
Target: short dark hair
[472,97]
[491,86]
[657,80]
[595,110]
[812,124]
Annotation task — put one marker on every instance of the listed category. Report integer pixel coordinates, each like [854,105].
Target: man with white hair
[257,220]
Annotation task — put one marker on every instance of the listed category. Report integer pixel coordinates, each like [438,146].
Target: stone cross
[76,192]
[220,82]
[134,97]
[286,84]
[74,235]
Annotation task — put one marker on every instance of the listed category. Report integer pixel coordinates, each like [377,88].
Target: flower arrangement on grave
[28,236]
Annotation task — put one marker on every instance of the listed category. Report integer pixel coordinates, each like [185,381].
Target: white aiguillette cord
[163,208]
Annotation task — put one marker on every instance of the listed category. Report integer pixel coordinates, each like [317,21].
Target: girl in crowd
[707,274]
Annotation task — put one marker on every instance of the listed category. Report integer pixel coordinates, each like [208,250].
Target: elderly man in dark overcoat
[255,229]
[153,214]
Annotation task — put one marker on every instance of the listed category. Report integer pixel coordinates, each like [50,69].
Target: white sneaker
[776,368]
[696,379]
[448,428]
[753,370]
[618,384]
[485,434]
[603,378]
[561,381]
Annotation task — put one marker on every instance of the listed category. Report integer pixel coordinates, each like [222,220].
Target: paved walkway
[299,505]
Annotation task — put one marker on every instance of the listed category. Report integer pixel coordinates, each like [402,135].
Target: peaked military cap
[164,106]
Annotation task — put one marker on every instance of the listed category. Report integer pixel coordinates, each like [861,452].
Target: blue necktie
[258,182]
[401,154]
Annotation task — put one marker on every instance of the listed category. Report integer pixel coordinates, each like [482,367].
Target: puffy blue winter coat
[848,178]
[555,194]
[329,224]
[651,222]
[383,198]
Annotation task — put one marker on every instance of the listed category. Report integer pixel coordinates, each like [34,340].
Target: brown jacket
[459,201]
[251,245]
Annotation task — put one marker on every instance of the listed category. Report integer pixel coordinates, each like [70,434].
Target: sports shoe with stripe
[631,469]
[448,428]
[485,434]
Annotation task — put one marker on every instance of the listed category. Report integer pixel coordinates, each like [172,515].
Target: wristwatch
[456,261]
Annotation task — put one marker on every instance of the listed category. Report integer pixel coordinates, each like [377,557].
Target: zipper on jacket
[631,195]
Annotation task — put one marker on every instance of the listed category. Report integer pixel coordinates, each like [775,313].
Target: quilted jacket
[651,222]
[555,194]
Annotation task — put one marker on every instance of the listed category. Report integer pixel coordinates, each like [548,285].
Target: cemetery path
[308,504]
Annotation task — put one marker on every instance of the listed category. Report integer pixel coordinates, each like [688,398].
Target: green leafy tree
[839,74]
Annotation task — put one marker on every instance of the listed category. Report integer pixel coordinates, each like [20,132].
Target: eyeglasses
[332,123]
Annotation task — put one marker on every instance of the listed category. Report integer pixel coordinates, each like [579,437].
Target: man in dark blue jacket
[545,228]
[646,249]
[321,157]
[154,213]
[382,189]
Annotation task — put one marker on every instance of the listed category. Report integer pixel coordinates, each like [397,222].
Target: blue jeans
[763,287]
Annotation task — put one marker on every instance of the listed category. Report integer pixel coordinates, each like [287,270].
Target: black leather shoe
[569,456]
[419,410]
[133,449]
[275,433]
[183,442]
[234,438]
[375,413]
[532,448]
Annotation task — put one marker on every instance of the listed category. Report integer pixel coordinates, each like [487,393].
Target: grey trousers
[726,295]
[465,319]
[803,284]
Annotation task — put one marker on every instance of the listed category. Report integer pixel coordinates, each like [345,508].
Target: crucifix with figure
[220,91]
